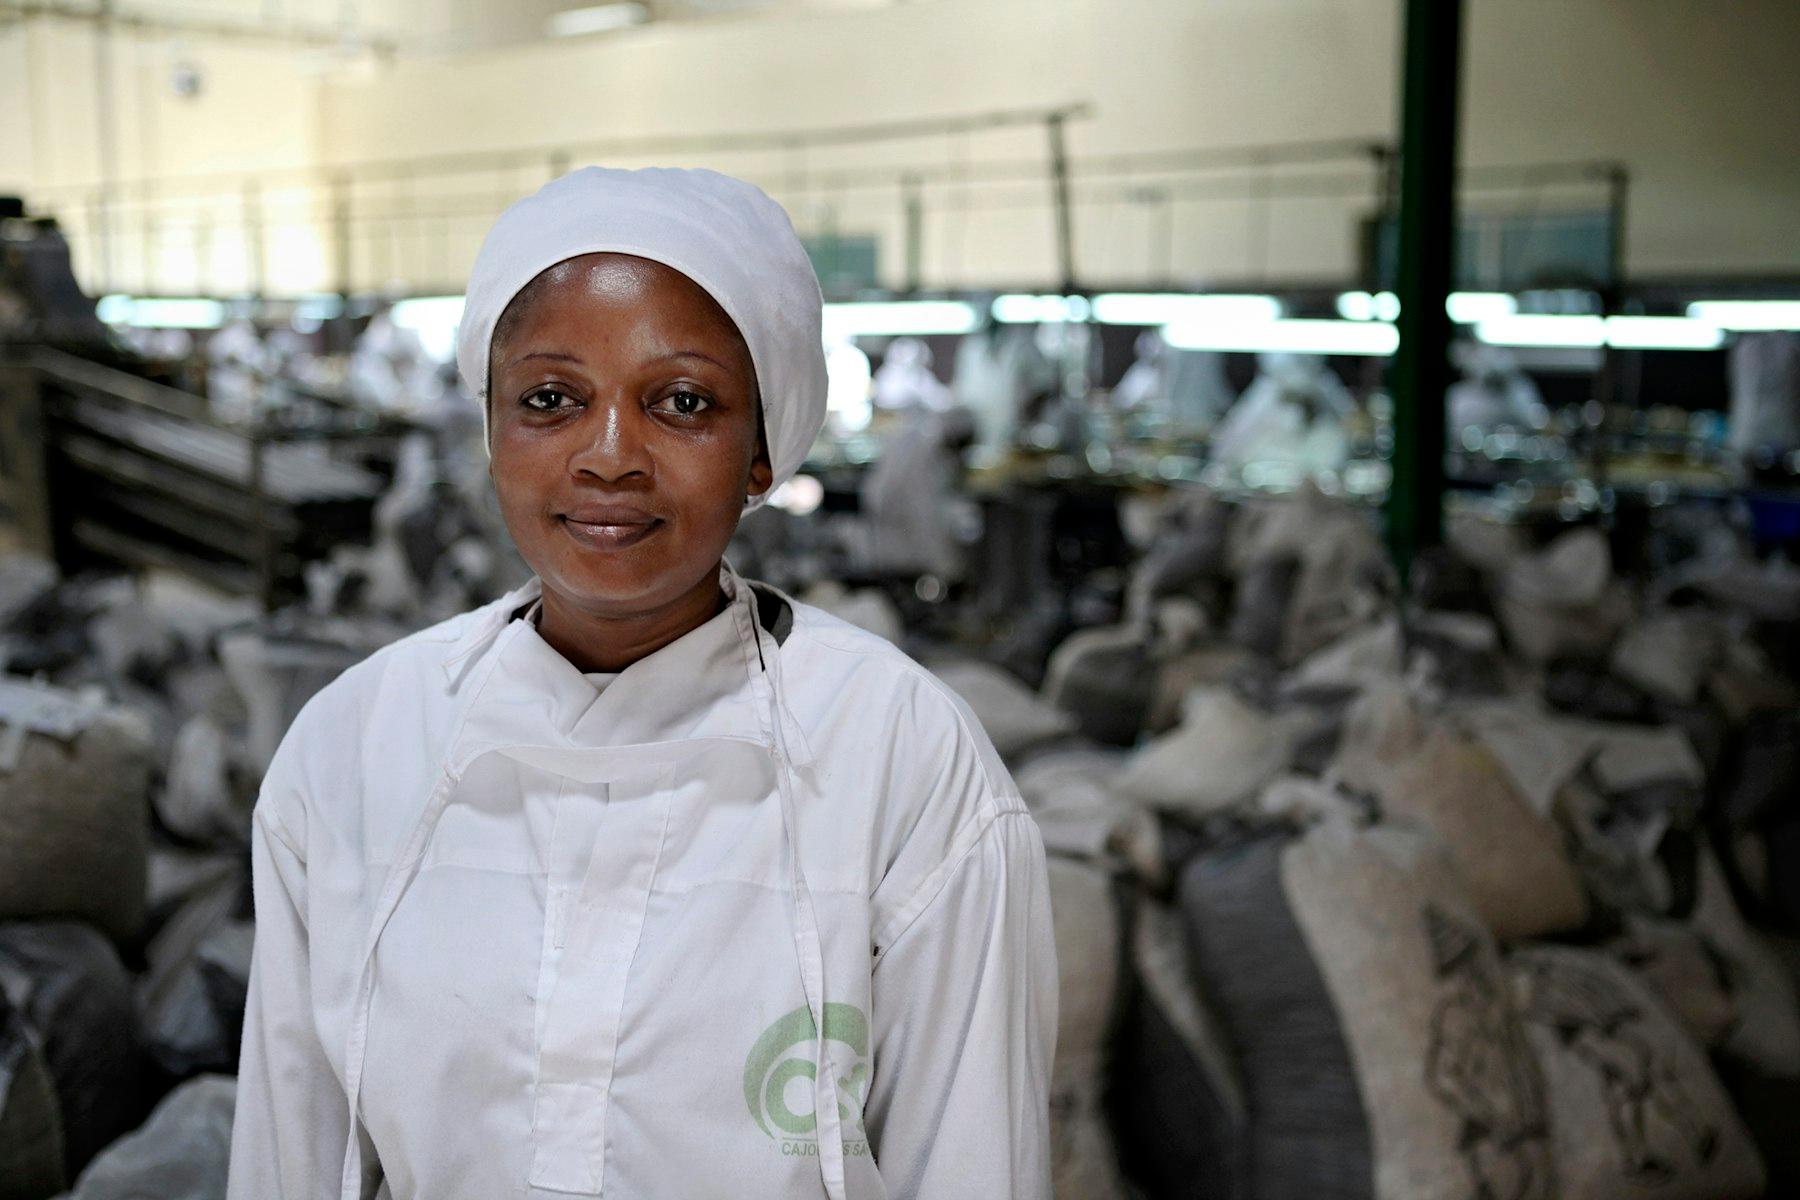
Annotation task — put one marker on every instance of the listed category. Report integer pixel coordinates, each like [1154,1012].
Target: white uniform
[552,940]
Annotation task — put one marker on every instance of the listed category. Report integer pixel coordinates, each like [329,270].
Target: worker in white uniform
[643,881]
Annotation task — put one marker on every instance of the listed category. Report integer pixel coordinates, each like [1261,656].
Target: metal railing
[986,199]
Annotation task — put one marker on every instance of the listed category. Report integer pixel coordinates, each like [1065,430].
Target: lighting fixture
[1464,308]
[160,312]
[1747,314]
[1039,310]
[1543,330]
[1165,308]
[598,18]
[1297,336]
[1592,333]
[892,318]
[1663,333]
[1368,306]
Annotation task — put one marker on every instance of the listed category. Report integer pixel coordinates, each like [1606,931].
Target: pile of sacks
[136,719]
[1426,900]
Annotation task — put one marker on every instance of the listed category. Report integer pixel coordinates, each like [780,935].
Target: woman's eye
[685,404]
[545,400]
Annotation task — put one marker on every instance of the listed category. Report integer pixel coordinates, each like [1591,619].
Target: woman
[642,881]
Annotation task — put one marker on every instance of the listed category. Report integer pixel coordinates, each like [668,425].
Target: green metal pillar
[1421,371]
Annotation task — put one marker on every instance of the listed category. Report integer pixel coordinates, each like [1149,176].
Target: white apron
[593,963]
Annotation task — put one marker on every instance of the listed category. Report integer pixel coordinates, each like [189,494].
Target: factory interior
[1345,453]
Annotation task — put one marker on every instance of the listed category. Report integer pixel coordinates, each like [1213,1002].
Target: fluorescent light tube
[1623,333]
[599,18]
[1747,314]
[1465,308]
[1164,308]
[1663,333]
[1039,310]
[1297,336]
[1537,329]
[160,312]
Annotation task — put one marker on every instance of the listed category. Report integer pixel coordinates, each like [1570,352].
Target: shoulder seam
[279,831]
[932,886]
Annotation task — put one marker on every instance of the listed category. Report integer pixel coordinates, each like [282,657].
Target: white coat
[547,940]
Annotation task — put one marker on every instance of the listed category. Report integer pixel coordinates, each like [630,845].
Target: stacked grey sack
[66,982]
[1368,1015]
[31,1143]
[181,1153]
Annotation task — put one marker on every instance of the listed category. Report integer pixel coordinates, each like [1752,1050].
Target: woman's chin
[620,583]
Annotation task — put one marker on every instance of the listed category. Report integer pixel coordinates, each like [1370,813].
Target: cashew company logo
[783,1055]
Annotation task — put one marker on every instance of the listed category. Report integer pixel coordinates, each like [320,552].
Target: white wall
[255,114]
[1697,99]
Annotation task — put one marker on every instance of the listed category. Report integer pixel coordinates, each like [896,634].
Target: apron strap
[764,667]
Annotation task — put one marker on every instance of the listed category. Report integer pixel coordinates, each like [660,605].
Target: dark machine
[102,461]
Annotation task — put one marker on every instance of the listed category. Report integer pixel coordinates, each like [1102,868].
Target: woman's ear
[762,474]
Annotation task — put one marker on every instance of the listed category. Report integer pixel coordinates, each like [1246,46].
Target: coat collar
[703,684]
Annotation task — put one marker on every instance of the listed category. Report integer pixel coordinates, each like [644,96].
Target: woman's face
[623,432]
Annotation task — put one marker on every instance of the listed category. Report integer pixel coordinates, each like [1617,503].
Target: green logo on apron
[784,1053]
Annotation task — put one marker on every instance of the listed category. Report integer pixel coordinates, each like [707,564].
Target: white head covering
[724,234]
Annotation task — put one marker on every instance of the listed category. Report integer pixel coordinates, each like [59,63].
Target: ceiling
[399,26]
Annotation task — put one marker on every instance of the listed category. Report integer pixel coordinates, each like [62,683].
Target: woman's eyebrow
[703,357]
[552,355]
[563,356]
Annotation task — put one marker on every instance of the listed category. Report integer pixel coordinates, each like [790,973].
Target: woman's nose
[612,443]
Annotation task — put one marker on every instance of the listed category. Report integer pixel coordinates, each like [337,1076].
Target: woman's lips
[612,532]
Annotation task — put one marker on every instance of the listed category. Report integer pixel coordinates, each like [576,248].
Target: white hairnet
[724,234]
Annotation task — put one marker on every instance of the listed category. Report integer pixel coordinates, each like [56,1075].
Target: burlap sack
[1541,751]
[1083,1163]
[1563,600]
[1458,652]
[1381,728]
[67,982]
[1519,876]
[1767,1033]
[1684,971]
[1203,667]
[1220,755]
[1069,794]
[1104,678]
[76,822]
[1340,577]
[1635,1110]
[1375,1035]
[1669,654]
[1359,658]
[1014,718]
[31,1152]
[181,1153]
[1177,1103]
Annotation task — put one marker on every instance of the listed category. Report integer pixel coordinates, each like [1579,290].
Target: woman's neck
[592,642]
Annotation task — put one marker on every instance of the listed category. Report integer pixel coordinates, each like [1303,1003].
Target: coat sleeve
[964,1028]
[287,1138]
